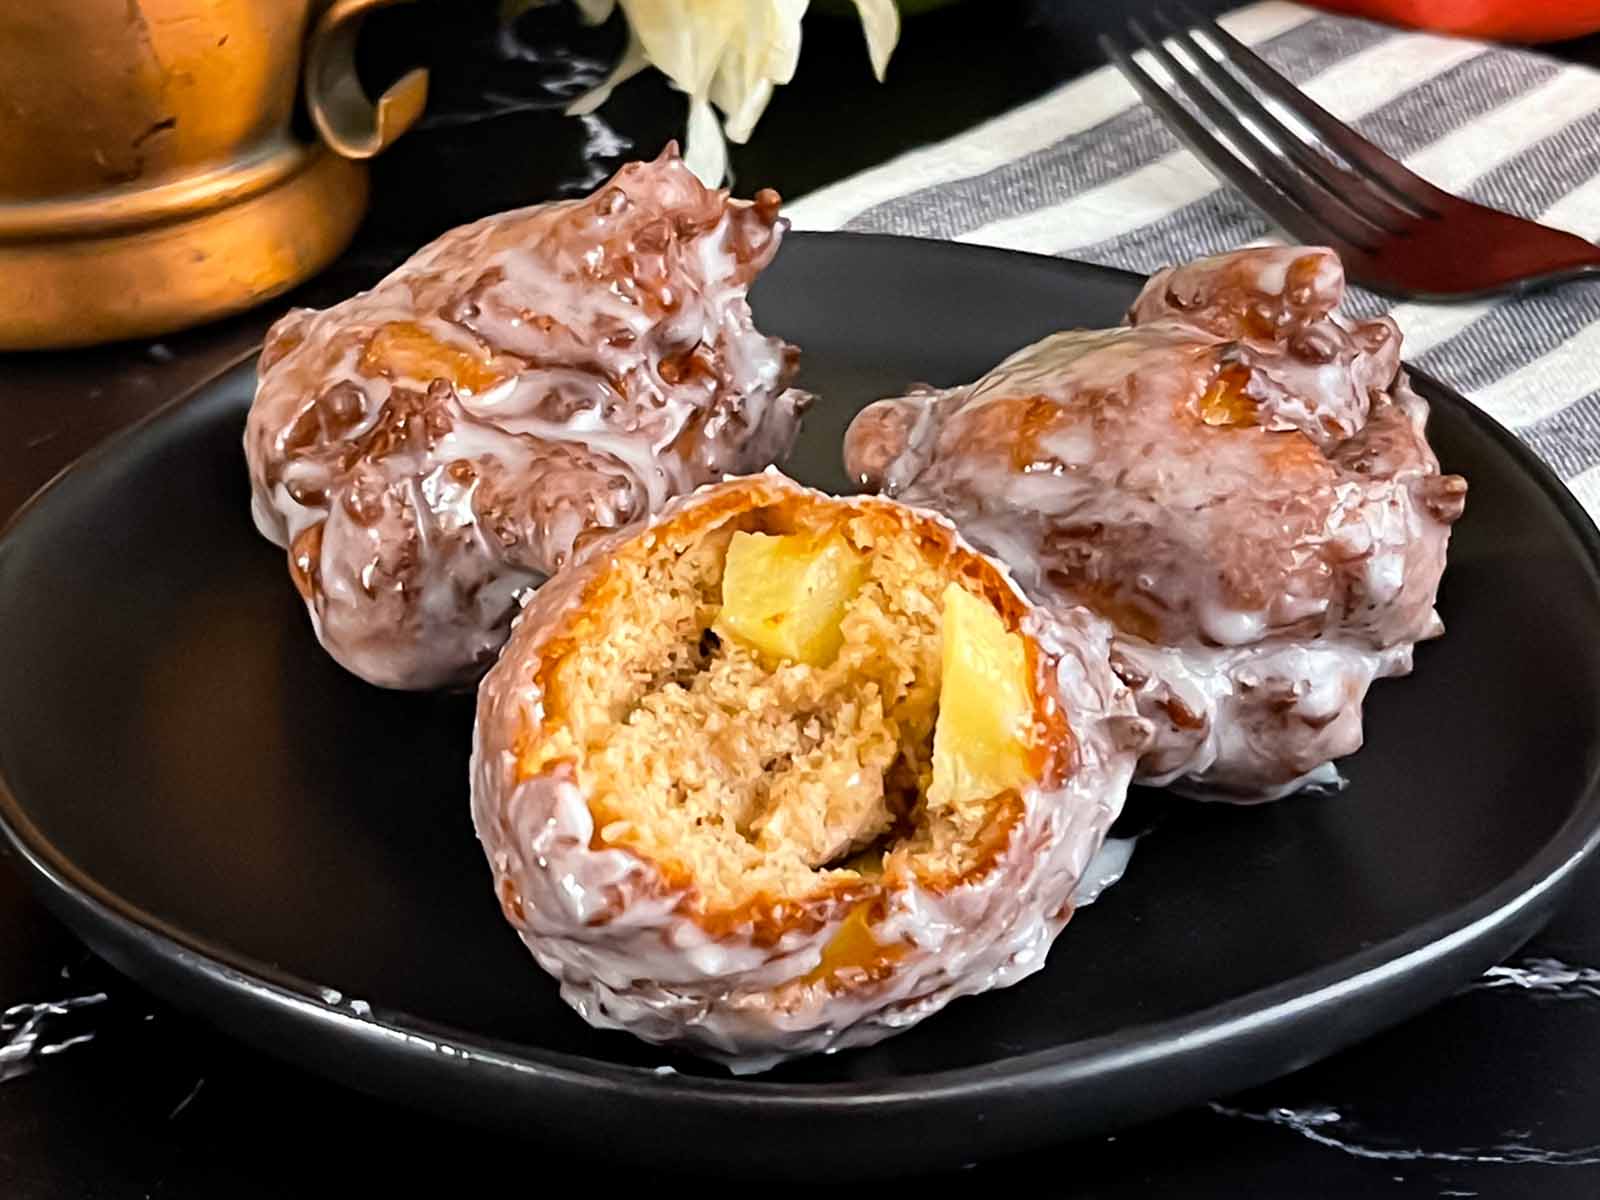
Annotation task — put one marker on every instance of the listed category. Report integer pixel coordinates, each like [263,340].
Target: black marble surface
[105,1093]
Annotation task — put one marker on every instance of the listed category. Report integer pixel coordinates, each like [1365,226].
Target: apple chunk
[784,596]
[980,743]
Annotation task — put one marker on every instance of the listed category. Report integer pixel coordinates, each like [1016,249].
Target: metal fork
[1395,231]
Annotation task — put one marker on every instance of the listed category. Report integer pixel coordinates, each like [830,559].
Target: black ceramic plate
[228,817]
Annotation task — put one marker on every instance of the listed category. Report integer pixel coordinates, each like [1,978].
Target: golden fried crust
[779,504]
[854,954]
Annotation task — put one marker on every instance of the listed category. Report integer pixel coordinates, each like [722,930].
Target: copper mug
[149,179]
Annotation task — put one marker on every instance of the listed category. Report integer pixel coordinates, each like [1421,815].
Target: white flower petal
[633,61]
[762,55]
[685,39]
[781,38]
[706,154]
[728,55]
[595,12]
[741,119]
[880,20]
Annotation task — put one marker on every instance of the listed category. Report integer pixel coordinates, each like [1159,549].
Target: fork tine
[1362,198]
[1277,169]
[1192,133]
[1406,187]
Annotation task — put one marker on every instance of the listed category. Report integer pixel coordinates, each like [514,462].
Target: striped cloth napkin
[1088,172]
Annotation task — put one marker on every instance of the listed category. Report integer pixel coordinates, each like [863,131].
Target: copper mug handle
[350,123]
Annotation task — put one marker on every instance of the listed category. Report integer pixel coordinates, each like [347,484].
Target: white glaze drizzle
[1263,565]
[599,358]
[601,921]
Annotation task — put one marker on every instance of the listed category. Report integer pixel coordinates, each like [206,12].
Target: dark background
[1493,1093]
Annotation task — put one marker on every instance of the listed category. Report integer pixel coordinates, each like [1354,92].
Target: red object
[1495,20]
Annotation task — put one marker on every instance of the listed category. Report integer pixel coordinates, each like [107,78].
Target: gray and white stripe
[1088,157]
[1090,173]
[1404,125]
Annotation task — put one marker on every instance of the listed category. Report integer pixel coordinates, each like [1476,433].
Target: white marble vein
[28,1032]
[1327,1127]
[1541,977]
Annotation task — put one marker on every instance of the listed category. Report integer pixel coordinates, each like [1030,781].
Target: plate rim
[1491,924]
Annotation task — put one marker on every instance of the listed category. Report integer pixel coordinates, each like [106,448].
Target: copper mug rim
[216,238]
